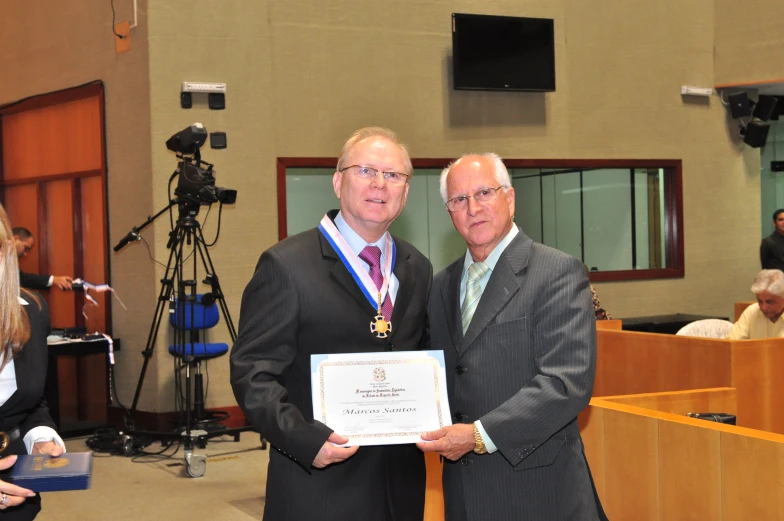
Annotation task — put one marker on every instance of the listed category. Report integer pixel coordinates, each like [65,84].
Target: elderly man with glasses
[516,323]
[309,295]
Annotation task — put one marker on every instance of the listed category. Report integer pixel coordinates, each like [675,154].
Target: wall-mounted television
[503,53]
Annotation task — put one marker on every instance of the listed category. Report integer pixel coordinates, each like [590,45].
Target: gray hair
[499,170]
[368,132]
[771,281]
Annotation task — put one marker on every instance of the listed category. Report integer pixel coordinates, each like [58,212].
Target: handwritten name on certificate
[380,398]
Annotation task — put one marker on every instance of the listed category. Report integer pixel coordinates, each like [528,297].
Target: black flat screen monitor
[503,53]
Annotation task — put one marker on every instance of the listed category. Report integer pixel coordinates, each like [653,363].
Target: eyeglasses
[485,195]
[368,174]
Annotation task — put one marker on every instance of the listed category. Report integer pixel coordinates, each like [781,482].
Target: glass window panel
[615,219]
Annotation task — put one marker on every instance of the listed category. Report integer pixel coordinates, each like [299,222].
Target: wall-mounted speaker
[740,106]
[755,133]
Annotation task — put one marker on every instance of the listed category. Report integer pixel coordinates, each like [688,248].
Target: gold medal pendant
[379,325]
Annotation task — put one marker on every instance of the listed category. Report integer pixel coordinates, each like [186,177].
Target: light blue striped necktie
[473,292]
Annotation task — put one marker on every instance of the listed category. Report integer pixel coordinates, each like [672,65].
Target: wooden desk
[91,405]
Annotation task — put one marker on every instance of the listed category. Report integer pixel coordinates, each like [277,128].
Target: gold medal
[379,324]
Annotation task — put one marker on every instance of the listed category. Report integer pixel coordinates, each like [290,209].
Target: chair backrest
[205,316]
[708,328]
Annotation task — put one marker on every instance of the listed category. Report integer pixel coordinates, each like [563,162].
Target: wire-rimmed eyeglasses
[485,195]
[367,173]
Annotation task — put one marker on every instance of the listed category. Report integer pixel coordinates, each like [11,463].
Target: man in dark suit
[772,246]
[303,299]
[24,242]
[516,324]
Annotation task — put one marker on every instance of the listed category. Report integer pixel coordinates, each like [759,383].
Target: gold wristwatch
[480,443]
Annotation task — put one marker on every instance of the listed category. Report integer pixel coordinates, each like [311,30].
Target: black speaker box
[740,105]
[756,133]
[766,106]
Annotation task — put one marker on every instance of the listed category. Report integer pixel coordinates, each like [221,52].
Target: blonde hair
[368,132]
[14,324]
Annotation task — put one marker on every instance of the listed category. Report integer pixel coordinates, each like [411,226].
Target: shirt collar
[22,301]
[353,239]
[492,259]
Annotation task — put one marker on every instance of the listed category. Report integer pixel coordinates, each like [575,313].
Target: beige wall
[303,75]
[749,41]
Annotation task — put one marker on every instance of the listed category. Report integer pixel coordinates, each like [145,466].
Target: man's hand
[47,447]
[330,454]
[451,442]
[62,282]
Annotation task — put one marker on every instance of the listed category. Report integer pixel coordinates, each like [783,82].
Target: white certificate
[380,398]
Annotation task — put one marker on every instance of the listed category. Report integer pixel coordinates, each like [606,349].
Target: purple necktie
[372,255]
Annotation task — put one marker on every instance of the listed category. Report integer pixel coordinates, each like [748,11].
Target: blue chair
[202,314]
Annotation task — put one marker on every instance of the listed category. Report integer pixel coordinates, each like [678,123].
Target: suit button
[460,369]
[458,417]
[464,461]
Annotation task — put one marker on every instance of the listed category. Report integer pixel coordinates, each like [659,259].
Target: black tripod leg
[163,301]
[217,292]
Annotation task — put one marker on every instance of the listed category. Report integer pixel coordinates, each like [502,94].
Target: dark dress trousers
[26,408]
[525,368]
[301,301]
[33,281]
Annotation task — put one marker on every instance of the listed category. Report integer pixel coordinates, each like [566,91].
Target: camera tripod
[199,425]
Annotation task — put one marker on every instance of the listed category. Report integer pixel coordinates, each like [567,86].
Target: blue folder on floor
[42,473]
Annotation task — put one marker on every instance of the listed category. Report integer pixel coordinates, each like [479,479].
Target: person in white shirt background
[763,319]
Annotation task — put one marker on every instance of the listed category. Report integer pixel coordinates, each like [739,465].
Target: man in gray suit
[304,299]
[516,324]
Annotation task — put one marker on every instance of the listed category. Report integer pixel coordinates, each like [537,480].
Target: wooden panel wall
[653,466]
[609,324]
[54,139]
[632,363]
[757,367]
[434,495]
[94,240]
[56,233]
[53,178]
[740,307]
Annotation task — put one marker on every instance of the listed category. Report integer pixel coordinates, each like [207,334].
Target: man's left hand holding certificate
[381,398]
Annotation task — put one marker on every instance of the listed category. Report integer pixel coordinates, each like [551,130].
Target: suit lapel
[450,296]
[404,273]
[502,286]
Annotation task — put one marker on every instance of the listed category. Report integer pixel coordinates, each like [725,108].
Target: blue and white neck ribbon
[355,266]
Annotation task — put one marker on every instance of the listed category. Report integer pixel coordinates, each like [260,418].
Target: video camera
[196,183]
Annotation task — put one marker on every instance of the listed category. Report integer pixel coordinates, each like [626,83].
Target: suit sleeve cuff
[51,280]
[42,433]
[489,445]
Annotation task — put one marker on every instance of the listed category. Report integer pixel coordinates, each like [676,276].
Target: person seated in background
[598,310]
[25,422]
[763,319]
[772,246]
[24,242]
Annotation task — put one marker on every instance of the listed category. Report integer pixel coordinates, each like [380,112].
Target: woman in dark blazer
[25,424]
